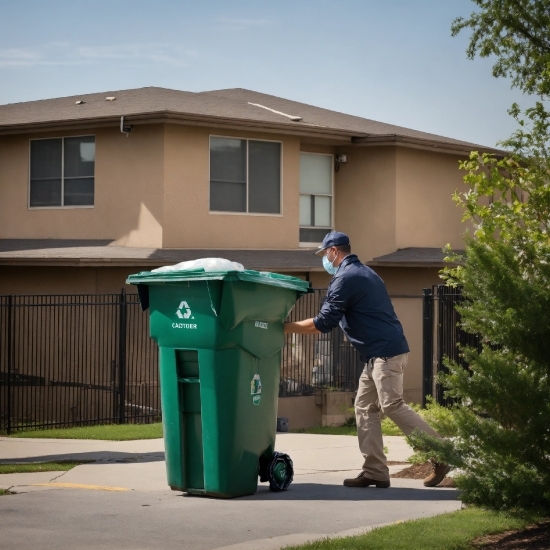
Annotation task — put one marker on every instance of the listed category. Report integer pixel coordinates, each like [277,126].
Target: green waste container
[220,336]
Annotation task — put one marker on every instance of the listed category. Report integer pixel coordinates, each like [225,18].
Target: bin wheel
[280,472]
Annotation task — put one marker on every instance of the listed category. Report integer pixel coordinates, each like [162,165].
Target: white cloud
[155,52]
[18,54]
[19,57]
[61,53]
[243,24]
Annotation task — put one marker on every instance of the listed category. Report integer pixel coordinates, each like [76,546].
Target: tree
[516,32]
[503,410]
[503,422]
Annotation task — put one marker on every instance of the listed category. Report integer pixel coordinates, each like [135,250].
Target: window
[315,197]
[245,176]
[62,172]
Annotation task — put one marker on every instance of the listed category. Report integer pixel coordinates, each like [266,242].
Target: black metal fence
[70,360]
[75,360]
[442,337]
[311,362]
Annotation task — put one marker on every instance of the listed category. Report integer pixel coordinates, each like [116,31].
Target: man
[358,301]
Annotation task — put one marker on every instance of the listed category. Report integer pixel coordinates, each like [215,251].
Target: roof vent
[291,117]
[110,98]
[80,102]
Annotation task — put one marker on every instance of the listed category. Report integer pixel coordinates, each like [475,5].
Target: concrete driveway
[121,501]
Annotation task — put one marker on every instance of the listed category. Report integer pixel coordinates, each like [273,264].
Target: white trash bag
[208,264]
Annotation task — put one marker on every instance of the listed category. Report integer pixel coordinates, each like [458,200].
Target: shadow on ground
[100,457]
[322,491]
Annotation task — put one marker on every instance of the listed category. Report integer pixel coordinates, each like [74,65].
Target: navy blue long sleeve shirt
[358,301]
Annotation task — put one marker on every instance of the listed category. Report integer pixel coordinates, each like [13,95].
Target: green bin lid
[261,277]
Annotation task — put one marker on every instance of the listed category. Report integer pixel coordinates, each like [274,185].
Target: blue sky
[392,60]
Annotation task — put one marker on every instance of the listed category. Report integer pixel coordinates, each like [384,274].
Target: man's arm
[301,327]
[329,316]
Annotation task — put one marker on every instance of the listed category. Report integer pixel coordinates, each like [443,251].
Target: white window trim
[308,244]
[281,186]
[62,207]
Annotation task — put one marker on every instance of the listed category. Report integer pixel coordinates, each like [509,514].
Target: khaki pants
[381,391]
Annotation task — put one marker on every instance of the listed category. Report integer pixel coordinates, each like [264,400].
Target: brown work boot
[363,481]
[440,470]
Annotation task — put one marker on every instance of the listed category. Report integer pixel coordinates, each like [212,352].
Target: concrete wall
[325,408]
[152,190]
[405,288]
[302,411]
[128,191]
[65,280]
[388,198]
[83,280]
[425,214]
[336,406]
[365,199]
[187,220]
[319,279]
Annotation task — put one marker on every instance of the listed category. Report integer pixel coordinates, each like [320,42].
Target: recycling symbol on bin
[184,311]
[256,389]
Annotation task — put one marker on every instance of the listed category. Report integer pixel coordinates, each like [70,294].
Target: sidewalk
[122,500]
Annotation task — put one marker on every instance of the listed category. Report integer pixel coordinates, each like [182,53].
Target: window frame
[62,206]
[281,186]
[308,244]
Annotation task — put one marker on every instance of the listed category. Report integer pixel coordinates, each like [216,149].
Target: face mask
[329,267]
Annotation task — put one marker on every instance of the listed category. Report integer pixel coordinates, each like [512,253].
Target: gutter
[421,143]
[159,117]
[288,128]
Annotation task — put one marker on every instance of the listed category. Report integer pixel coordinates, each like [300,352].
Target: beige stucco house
[97,186]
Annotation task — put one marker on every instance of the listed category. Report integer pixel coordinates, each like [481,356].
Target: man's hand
[301,327]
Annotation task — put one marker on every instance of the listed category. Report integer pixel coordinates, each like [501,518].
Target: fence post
[122,358]
[10,360]
[427,344]
[441,326]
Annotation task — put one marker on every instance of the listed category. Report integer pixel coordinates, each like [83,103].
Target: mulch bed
[534,537]
[420,471]
[415,471]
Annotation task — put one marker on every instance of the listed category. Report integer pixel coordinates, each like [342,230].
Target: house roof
[100,253]
[235,106]
[412,257]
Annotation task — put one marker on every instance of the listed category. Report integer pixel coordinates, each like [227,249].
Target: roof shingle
[101,253]
[224,105]
[412,257]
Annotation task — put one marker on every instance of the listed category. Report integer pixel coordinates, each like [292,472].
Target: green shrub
[350,422]
[503,436]
[389,427]
[440,418]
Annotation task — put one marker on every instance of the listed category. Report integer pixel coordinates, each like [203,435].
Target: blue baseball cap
[334,238]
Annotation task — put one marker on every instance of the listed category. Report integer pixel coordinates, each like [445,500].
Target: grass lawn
[329,430]
[4,492]
[63,466]
[113,432]
[126,432]
[454,531]
[388,428]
